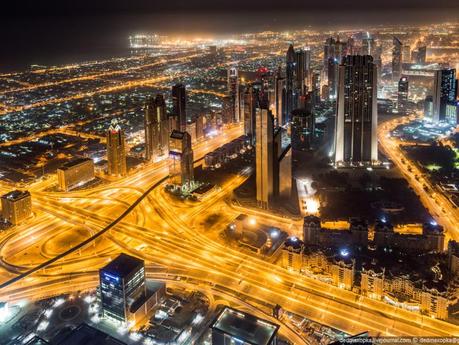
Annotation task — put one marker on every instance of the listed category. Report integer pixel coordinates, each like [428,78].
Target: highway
[431,197]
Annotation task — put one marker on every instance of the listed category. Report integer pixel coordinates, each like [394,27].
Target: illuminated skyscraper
[332,77]
[156,128]
[290,82]
[402,99]
[279,99]
[264,156]
[444,92]
[180,158]
[421,55]
[406,53]
[396,59]
[302,129]
[250,101]
[302,65]
[377,52]
[356,119]
[116,150]
[122,282]
[329,52]
[233,92]
[368,45]
[179,106]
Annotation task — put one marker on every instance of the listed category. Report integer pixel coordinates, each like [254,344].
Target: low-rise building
[16,206]
[431,239]
[413,282]
[75,173]
[356,234]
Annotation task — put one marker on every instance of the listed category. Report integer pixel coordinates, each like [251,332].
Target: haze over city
[201,172]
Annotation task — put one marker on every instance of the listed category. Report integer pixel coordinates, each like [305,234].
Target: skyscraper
[116,150]
[329,52]
[406,53]
[402,97]
[422,55]
[290,82]
[302,129]
[356,118]
[264,156]
[302,63]
[250,103]
[279,98]
[179,106]
[396,59]
[444,92]
[122,282]
[180,158]
[368,45]
[156,128]
[233,92]
[332,77]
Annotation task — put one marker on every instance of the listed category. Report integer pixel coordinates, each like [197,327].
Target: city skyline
[274,183]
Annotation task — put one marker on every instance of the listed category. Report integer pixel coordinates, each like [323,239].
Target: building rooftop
[16,195]
[123,265]
[74,162]
[87,335]
[245,327]
[177,134]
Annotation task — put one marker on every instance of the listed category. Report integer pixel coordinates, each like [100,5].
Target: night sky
[47,32]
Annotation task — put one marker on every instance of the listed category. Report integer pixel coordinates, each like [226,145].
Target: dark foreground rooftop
[245,327]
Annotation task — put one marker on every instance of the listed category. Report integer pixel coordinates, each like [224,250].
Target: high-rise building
[302,129]
[377,60]
[302,63]
[180,158]
[396,59]
[264,156]
[356,118]
[233,92]
[156,128]
[406,53]
[122,282]
[444,92]
[179,106]
[116,150]
[421,55]
[290,82]
[428,108]
[284,173]
[368,45]
[16,206]
[402,97]
[279,99]
[250,104]
[332,77]
[200,123]
[75,173]
[236,327]
[329,51]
